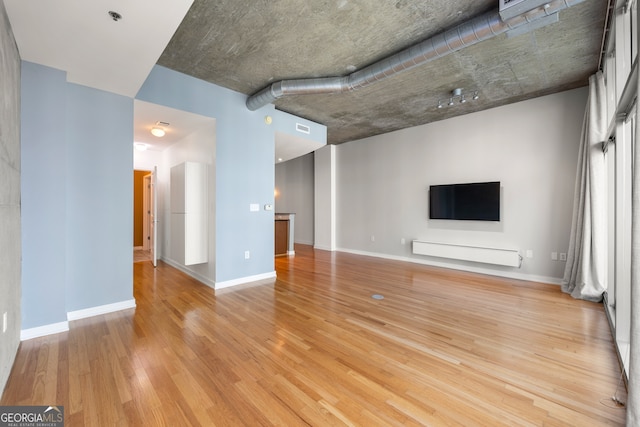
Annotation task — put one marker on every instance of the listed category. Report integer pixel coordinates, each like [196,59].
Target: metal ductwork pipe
[478,29]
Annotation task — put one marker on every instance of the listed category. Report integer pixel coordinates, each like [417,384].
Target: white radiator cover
[496,256]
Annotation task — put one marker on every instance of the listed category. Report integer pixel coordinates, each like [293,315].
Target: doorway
[143,221]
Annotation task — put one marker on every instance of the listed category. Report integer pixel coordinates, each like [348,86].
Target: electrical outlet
[247,254]
[373,238]
[529,253]
[554,256]
[563,256]
[402,241]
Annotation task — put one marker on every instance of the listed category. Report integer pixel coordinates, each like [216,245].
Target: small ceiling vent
[511,8]
[302,128]
[160,123]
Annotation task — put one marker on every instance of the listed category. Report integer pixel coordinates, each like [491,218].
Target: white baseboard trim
[199,277]
[101,309]
[326,248]
[468,268]
[56,328]
[41,331]
[245,280]
[219,285]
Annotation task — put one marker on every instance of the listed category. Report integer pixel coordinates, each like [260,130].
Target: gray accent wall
[10,240]
[294,186]
[382,184]
[531,147]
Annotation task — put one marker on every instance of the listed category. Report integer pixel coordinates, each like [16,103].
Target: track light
[457,95]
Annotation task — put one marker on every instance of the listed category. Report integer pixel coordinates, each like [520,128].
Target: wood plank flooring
[314,348]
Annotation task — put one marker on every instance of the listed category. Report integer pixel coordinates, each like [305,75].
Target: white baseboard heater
[496,256]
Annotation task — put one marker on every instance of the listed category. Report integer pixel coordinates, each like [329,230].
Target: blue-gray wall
[44,193]
[244,169]
[99,203]
[77,192]
[77,197]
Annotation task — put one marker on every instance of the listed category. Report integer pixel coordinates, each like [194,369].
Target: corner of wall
[10,220]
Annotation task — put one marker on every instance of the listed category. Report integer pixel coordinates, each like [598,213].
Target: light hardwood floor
[314,348]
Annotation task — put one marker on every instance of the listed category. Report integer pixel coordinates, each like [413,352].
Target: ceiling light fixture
[140,146]
[157,131]
[159,128]
[459,96]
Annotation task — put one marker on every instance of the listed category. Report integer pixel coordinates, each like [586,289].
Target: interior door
[146,212]
[154,216]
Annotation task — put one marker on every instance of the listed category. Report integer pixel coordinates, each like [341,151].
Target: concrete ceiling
[245,45]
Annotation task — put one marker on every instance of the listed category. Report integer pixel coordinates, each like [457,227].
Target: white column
[325,198]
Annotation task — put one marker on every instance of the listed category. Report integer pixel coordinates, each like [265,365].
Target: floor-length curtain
[633,400]
[584,275]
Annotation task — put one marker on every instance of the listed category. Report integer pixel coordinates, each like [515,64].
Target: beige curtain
[584,274]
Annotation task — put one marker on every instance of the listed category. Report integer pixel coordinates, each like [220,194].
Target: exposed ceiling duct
[478,29]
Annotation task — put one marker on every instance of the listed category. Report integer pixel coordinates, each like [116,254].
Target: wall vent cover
[302,128]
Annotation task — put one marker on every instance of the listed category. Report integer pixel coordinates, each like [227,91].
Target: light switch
[254,207]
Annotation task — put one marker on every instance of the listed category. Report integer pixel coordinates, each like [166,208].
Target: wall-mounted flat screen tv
[479,201]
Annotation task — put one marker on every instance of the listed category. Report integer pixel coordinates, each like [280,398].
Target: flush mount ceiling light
[458,96]
[159,129]
[140,146]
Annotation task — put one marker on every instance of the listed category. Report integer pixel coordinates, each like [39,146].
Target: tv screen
[478,201]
